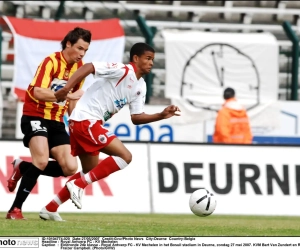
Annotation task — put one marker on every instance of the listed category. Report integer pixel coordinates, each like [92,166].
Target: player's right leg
[59,145]
[35,137]
[40,153]
[15,176]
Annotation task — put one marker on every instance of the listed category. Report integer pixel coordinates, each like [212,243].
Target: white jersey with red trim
[116,87]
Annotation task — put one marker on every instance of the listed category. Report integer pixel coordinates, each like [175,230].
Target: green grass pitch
[101,224]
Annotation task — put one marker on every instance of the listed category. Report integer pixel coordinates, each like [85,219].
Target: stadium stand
[210,16]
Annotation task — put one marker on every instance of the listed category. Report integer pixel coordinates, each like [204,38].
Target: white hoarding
[249,180]
[124,191]
[252,180]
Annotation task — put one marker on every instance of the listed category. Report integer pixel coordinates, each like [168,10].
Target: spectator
[232,123]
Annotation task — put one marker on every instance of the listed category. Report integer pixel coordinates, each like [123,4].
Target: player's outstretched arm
[43,94]
[143,118]
[77,77]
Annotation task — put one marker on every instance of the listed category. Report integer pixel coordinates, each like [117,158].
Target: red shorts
[88,136]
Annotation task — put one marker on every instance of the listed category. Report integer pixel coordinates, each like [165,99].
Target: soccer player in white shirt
[118,84]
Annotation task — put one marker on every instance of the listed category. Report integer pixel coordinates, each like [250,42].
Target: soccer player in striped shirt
[42,120]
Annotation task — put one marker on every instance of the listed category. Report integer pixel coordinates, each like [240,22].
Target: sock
[106,167]
[27,184]
[24,166]
[53,169]
[62,196]
[54,204]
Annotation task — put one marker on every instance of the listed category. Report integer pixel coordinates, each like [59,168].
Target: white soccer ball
[202,202]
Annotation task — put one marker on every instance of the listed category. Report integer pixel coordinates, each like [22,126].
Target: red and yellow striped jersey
[52,73]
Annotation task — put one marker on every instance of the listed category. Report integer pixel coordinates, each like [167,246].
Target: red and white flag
[36,39]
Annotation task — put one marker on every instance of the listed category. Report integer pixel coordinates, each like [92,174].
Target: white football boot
[76,193]
[47,215]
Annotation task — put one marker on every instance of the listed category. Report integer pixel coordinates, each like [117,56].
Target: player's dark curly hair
[139,49]
[74,35]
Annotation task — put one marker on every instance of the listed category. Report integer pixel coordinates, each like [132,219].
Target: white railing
[214,26]
[192,8]
[176,8]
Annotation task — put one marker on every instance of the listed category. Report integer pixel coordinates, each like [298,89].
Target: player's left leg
[119,158]
[49,212]
[60,149]
[47,215]
[53,169]
[65,160]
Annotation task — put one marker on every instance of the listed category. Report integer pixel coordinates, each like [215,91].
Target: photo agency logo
[15,242]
